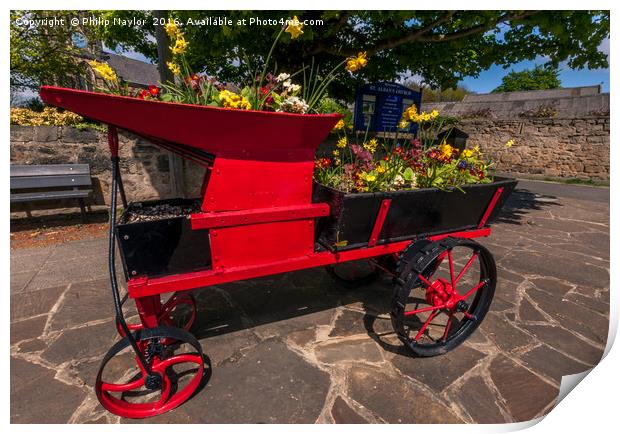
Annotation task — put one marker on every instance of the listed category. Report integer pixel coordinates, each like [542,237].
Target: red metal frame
[142,286]
[376,229]
[491,207]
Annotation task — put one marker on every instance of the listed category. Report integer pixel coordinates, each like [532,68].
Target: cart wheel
[178,311]
[443,292]
[352,274]
[124,388]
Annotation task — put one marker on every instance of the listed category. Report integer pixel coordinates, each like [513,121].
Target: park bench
[34,183]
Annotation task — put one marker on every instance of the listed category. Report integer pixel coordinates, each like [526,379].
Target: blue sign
[379,107]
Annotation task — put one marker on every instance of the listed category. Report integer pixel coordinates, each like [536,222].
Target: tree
[441,46]
[439,95]
[43,51]
[539,78]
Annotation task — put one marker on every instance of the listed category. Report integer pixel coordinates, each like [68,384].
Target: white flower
[294,88]
[399,180]
[293,104]
[282,77]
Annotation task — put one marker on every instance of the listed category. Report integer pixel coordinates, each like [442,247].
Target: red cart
[260,213]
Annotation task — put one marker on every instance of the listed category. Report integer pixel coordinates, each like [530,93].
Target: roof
[131,70]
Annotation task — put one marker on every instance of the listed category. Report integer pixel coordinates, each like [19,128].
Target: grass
[579,181]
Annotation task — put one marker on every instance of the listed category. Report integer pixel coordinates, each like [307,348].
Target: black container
[412,213]
[164,246]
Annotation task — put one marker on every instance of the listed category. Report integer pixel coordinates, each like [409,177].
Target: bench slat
[49,169]
[50,181]
[49,195]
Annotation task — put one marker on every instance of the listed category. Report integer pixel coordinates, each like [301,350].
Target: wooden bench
[33,183]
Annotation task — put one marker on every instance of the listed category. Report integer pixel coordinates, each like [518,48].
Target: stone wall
[144,166]
[544,148]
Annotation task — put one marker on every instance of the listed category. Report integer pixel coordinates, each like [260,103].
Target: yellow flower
[509,143]
[104,70]
[356,63]
[342,142]
[446,150]
[410,112]
[174,68]
[380,169]
[371,145]
[295,28]
[339,125]
[467,153]
[434,113]
[232,100]
[336,153]
[180,45]
[476,149]
[371,178]
[172,29]
[403,124]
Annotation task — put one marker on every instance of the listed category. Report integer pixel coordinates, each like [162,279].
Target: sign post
[379,107]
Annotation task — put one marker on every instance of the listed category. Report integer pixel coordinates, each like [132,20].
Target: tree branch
[419,34]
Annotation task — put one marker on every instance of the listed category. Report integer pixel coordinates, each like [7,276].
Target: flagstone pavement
[294,348]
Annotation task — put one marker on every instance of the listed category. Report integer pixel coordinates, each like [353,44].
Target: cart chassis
[146,291]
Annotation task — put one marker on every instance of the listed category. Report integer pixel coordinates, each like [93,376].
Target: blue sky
[492,77]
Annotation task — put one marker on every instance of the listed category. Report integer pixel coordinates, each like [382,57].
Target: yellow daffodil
[434,113]
[180,45]
[476,149]
[295,28]
[103,70]
[371,178]
[371,145]
[509,143]
[446,150]
[336,153]
[403,124]
[339,125]
[172,29]
[342,142]
[232,100]
[354,64]
[174,68]
[467,153]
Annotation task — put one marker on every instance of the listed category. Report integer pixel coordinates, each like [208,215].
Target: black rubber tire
[424,259]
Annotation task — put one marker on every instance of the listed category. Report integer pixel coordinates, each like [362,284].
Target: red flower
[266,90]
[143,94]
[153,91]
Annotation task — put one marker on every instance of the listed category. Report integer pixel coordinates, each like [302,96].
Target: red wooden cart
[257,216]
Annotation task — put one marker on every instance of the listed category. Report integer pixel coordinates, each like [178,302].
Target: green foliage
[439,95]
[539,78]
[45,54]
[441,46]
[330,105]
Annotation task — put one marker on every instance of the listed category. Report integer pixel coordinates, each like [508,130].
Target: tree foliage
[438,95]
[42,52]
[538,78]
[441,46]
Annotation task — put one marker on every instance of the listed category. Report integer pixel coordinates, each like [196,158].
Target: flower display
[232,100]
[399,164]
[354,64]
[294,28]
[339,125]
[174,68]
[103,70]
[180,45]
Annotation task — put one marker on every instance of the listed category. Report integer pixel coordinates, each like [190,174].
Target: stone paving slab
[295,348]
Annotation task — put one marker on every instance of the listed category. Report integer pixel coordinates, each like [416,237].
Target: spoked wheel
[352,274]
[124,388]
[443,292]
[178,311]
